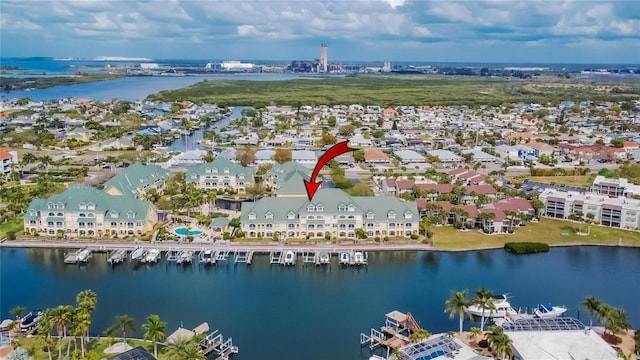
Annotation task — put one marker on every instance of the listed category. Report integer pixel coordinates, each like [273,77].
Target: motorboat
[289,258]
[324,258]
[185,257]
[502,308]
[30,320]
[137,254]
[151,256]
[83,255]
[547,311]
[358,258]
[344,258]
[207,256]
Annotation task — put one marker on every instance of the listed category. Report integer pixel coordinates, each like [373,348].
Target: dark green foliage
[526,247]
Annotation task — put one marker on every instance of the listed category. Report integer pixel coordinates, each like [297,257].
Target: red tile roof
[405,184]
[480,189]
[4,154]
[440,188]
[375,154]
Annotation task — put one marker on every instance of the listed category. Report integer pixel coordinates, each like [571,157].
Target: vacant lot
[386,91]
[547,230]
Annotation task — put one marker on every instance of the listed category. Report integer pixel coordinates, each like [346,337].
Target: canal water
[309,312]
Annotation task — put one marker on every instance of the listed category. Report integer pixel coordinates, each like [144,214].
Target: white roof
[409,155]
[561,345]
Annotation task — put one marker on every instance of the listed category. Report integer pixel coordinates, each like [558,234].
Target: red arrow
[335,150]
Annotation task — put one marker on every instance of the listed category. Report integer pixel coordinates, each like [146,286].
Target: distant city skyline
[489,31]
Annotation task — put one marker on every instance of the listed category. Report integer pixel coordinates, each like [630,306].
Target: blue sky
[397,30]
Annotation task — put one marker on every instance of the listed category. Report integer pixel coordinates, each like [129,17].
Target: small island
[16,83]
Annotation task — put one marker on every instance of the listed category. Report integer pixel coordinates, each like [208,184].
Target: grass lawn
[582,181]
[14,225]
[547,231]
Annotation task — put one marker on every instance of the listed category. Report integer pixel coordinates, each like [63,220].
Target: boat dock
[393,335]
[79,256]
[117,256]
[217,344]
[212,255]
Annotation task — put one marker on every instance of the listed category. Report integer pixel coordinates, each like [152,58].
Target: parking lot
[534,186]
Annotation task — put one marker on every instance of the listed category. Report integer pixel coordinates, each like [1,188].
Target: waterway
[134,88]
[305,312]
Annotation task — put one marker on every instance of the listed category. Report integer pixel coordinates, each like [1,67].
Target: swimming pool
[182,231]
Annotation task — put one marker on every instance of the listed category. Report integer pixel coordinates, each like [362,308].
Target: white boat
[137,254]
[325,258]
[151,256]
[344,258]
[547,311]
[83,255]
[502,308]
[358,258]
[30,320]
[207,257]
[184,257]
[289,258]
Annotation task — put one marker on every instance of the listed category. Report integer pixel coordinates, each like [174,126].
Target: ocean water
[309,312]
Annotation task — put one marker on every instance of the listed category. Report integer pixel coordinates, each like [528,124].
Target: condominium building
[617,212]
[614,187]
[287,180]
[6,159]
[220,174]
[137,180]
[333,213]
[85,211]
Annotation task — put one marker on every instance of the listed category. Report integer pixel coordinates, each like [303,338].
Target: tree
[592,306]
[18,312]
[255,190]
[62,317]
[282,155]
[617,320]
[358,155]
[500,343]
[45,327]
[331,121]
[154,331]
[177,348]
[457,304]
[484,299]
[617,143]
[346,130]
[419,335]
[125,324]
[328,139]
[82,321]
[209,156]
[246,156]
[360,189]
[86,301]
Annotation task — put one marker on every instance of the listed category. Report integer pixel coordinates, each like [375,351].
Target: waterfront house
[445,156]
[220,174]
[137,180]
[332,213]
[85,211]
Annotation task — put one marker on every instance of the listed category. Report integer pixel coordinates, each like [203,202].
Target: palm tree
[192,352]
[87,300]
[500,343]
[18,312]
[125,323]
[475,331]
[592,306]
[154,331]
[45,326]
[45,161]
[82,322]
[175,349]
[62,316]
[617,320]
[457,303]
[484,299]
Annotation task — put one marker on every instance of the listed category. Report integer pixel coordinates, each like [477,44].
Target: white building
[6,159]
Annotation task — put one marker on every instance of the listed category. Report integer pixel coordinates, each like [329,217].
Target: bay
[133,88]
[308,312]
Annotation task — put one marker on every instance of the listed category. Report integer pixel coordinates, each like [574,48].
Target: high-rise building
[323,58]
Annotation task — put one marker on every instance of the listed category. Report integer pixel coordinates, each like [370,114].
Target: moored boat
[344,258]
[325,258]
[151,256]
[30,320]
[502,308]
[137,254]
[289,258]
[547,311]
[358,258]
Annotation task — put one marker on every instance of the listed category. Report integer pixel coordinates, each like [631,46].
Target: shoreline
[105,246]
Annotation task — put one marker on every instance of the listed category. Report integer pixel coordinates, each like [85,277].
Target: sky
[530,31]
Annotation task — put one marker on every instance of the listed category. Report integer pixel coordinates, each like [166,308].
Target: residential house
[434,190]
[137,180]
[472,192]
[332,213]
[392,186]
[410,157]
[373,157]
[221,174]
[85,211]
[481,156]
[445,156]
[541,148]
[468,177]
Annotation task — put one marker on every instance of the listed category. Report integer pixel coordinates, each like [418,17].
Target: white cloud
[421,31]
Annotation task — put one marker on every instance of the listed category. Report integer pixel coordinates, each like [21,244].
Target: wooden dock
[79,256]
[217,344]
[242,257]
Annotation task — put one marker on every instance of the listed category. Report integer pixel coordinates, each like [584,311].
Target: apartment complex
[614,187]
[287,180]
[333,213]
[137,180]
[6,159]
[220,174]
[85,211]
[617,212]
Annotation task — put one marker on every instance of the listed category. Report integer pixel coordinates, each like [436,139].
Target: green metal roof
[217,168]
[136,176]
[219,222]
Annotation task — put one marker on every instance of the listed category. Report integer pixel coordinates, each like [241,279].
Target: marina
[234,297]
[79,256]
[117,256]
